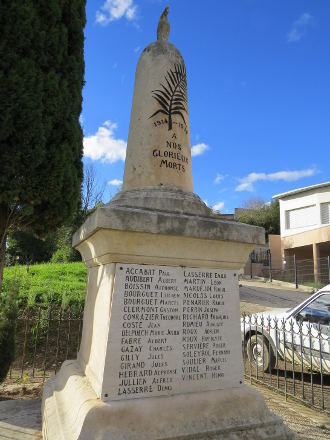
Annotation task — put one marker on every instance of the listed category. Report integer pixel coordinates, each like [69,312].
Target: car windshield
[318,311]
[296,308]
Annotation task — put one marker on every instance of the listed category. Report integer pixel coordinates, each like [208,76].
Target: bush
[64,252]
[8,316]
[64,255]
[266,216]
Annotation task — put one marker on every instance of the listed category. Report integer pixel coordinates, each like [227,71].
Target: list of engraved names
[173,330]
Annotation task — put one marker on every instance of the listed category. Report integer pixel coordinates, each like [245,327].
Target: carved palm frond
[172,97]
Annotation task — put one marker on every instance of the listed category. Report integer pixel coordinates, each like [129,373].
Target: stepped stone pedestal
[161,352]
[140,375]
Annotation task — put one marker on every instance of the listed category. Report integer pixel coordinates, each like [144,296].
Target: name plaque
[173,330]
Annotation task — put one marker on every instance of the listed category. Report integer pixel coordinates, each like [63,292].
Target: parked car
[300,335]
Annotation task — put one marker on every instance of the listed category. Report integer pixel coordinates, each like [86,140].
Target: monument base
[72,411]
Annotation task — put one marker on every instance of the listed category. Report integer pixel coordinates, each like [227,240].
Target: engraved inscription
[173,330]
[172,98]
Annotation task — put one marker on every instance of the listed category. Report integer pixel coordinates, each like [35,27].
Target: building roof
[300,190]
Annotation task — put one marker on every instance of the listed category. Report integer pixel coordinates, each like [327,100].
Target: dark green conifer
[41,80]
[8,316]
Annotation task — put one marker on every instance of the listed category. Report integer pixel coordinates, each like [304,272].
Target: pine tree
[41,80]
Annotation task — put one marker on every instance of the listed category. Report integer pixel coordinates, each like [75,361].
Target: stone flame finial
[163,29]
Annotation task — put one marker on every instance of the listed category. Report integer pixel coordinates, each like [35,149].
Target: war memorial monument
[161,352]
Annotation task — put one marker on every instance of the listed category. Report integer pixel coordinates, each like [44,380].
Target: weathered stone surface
[103,297]
[72,411]
[174,330]
[109,246]
[163,29]
[163,221]
[158,147]
[167,199]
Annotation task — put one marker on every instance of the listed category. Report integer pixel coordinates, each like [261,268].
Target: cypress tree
[8,317]
[41,80]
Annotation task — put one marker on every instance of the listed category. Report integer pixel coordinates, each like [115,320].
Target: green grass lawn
[60,283]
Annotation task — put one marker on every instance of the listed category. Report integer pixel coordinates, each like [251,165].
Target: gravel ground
[306,423]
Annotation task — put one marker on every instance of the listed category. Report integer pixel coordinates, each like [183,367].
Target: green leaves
[266,216]
[8,315]
[41,78]
[61,283]
[172,97]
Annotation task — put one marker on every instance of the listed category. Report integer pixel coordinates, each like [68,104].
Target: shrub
[8,316]
[62,255]
[64,251]
[49,283]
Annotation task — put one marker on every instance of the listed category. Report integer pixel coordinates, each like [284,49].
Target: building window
[325,213]
[301,217]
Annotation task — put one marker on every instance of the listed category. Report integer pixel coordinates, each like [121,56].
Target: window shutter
[301,217]
[325,213]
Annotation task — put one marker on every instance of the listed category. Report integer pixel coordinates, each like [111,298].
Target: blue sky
[258,88]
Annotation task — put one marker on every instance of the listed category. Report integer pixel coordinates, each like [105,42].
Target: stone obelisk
[160,355]
[158,149]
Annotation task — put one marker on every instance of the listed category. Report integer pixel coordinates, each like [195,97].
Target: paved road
[268,297]
[20,420]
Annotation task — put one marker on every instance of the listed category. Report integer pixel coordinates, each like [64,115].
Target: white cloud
[219,178]
[287,176]
[115,182]
[104,146]
[131,13]
[290,176]
[114,10]
[218,206]
[199,149]
[245,186]
[298,29]
[206,202]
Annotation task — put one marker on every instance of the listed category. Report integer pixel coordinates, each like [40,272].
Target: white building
[305,223]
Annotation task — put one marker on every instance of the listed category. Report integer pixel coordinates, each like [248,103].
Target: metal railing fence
[301,271]
[292,358]
[288,356]
[291,269]
[45,337]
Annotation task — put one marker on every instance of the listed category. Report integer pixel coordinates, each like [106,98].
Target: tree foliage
[24,247]
[8,316]
[92,191]
[266,216]
[254,203]
[64,252]
[41,79]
